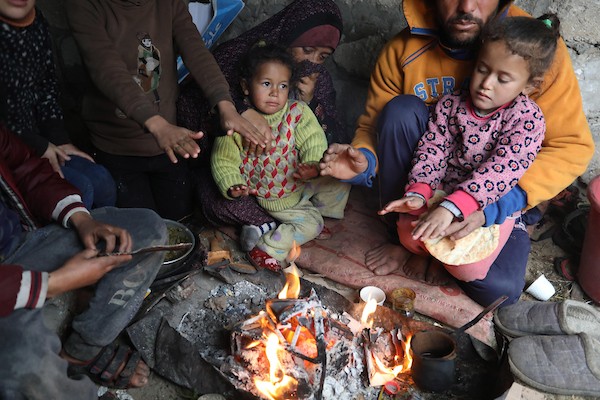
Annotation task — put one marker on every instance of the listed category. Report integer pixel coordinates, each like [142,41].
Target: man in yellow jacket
[432,57]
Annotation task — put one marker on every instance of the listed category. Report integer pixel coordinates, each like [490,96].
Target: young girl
[479,143]
[282,178]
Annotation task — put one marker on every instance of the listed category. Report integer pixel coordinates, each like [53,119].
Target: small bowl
[178,233]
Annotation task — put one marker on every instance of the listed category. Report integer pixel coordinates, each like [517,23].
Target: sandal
[261,259]
[565,268]
[113,367]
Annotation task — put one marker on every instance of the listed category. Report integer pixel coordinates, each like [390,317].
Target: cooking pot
[434,354]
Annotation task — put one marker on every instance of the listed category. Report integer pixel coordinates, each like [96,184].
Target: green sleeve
[225,163]
[310,138]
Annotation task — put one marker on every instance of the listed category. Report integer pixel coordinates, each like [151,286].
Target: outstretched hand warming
[342,161]
[403,205]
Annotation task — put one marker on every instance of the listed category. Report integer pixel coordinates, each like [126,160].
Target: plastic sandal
[261,259]
[564,266]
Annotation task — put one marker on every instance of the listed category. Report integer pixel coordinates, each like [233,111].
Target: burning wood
[387,355]
[296,349]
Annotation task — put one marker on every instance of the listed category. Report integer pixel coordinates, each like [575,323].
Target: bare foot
[138,379]
[437,274]
[387,259]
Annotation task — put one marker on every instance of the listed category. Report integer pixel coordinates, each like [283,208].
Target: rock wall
[368,24]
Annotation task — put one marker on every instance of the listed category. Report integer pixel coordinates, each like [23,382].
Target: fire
[367,315]
[278,384]
[291,290]
[402,364]
[381,372]
[294,253]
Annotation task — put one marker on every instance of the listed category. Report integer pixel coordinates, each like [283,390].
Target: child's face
[498,78]
[16,10]
[269,87]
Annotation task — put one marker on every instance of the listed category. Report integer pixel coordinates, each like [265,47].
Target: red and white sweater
[32,191]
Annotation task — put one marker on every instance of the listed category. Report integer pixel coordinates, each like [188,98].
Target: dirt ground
[540,262]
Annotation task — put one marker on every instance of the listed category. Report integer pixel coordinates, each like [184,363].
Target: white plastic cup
[372,292]
[541,288]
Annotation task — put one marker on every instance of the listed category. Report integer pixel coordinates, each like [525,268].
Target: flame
[367,315]
[291,290]
[278,384]
[294,253]
[383,373]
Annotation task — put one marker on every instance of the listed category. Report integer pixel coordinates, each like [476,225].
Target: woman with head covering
[311,30]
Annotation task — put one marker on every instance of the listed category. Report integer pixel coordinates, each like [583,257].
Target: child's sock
[251,234]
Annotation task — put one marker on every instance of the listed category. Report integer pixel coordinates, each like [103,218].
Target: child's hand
[403,205]
[433,224]
[306,171]
[241,190]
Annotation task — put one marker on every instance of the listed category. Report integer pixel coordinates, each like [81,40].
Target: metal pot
[434,354]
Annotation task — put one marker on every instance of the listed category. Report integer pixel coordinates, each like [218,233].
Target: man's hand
[82,270]
[342,161]
[306,87]
[460,229]
[403,205]
[432,224]
[306,171]
[91,232]
[241,190]
[231,122]
[263,127]
[57,157]
[174,139]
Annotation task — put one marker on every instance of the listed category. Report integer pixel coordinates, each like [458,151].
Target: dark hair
[533,39]
[261,53]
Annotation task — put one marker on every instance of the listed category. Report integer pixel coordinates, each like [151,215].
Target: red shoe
[261,259]
[325,234]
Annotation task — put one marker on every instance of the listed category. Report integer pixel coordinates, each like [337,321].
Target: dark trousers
[30,365]
[402,122]
[151,182]
[93,180]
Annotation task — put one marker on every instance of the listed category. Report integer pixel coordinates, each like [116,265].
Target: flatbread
[474,247]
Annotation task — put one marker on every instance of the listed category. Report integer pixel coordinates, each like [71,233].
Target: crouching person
[49,244]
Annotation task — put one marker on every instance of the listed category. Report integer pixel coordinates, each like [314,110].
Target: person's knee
[402,108]
[105,192]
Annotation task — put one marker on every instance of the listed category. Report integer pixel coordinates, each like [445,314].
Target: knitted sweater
[29,81]
[298,139]
[130,50]
[476,159]
[414,62]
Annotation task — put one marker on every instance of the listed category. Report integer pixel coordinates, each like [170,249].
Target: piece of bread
[474,247]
